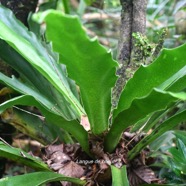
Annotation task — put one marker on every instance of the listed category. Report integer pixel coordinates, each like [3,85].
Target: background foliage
[79,73]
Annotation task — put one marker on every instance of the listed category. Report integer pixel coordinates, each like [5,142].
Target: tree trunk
[133,19]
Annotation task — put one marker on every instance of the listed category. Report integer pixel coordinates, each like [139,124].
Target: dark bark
[138,25]
[133,19]
[124,45]
[21,8]
[139,16]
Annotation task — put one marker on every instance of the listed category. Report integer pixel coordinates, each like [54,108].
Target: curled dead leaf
[85,122]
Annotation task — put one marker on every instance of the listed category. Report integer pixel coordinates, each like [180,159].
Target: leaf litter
[71,160]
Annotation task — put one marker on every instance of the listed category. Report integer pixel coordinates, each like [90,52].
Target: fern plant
[69,77]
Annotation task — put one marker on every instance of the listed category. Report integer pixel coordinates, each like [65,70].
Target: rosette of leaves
[69,77]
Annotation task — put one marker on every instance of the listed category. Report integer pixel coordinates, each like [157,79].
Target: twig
[5,142]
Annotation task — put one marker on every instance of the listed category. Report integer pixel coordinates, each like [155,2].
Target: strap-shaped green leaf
[139,109]
[72,127]
[31,78]
[119,176]
[32,125]
[167,72]
[27,44]
[180,134]
[26,89]
[167,125]
[138,98]
[20,156]
[154,184]
[37,179]
[88,63]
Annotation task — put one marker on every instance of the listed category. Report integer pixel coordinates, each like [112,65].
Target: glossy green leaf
[119,176]
[26,89]
[28,124]
[35,84]
[151,120]
[73,127]
[178,167]
[154,119]
[178,158]
[20,156]
[167,72]
[182,149]
[174,184]
[27,44]
[167,125]
[138,98]
[177,164]
[88,63]
[141,124]
[139,109]
[32,125]
[180,135]
[37,179]
[25,100]
[164,141]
